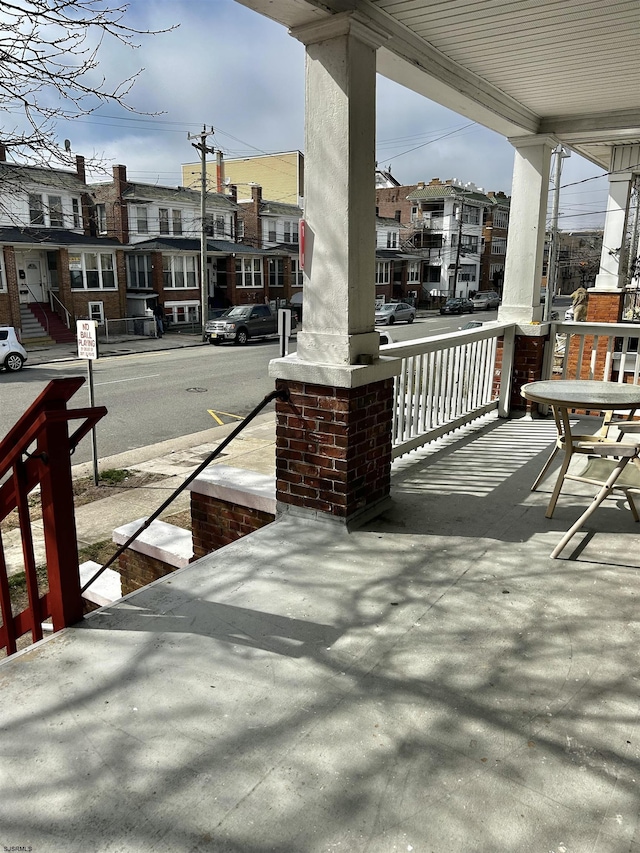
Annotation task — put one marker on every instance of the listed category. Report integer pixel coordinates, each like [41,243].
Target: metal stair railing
[279,393]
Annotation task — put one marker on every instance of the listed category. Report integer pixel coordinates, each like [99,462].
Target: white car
[12,354]
[392,312]
[486,300]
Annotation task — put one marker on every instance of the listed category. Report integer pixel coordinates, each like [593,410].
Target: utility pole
[201,146]
[458,249]
[552,260]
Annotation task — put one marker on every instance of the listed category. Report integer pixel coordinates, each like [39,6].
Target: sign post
[87,334]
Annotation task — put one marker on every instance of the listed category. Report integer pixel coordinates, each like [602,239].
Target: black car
[457,306]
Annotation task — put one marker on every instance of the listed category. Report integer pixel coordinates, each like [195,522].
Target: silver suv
[12,354]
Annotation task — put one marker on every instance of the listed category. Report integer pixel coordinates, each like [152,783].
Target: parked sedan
[392,312]
[457,306]
[12,354]
[486,300]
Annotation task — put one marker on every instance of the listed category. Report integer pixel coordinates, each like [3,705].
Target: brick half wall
[333,448]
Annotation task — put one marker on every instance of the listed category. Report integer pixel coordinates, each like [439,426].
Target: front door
[35,278]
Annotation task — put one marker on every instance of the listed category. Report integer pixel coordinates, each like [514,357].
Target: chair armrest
[598,448]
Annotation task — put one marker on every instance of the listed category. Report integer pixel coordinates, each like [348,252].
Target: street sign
[87,334]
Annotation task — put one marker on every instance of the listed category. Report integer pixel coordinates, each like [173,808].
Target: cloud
[230,68]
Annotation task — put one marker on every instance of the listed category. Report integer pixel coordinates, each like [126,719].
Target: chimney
[233,192]
[119,179]
[219,172]
[80,170]
[256,193]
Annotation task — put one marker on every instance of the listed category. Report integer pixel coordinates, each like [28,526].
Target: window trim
[80,266]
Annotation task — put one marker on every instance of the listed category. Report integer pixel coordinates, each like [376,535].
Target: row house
[398,273]
[161,227]
[449,229]
[274,226]
[53,269]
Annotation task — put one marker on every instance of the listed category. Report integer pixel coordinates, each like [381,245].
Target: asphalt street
[159,395]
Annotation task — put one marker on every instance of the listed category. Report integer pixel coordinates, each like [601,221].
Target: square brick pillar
[333,450]
[603,306]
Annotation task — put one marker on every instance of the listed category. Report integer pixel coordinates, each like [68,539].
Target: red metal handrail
[37,451]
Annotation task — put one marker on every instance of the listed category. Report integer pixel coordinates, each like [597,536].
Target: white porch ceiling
[568,68]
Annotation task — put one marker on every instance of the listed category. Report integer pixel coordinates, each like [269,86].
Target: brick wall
[138,570]
[603,307]
[391,199]
[216,523]
[10,301]
[334,447]
[527,366]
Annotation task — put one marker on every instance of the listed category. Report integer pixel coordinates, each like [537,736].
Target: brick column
[333,449]
[527,367]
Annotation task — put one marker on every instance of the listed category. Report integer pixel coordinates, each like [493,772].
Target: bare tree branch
[49,53]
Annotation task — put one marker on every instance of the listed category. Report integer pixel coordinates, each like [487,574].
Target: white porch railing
[595,351]
[448,381]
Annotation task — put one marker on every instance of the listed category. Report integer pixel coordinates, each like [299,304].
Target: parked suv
[486,300]
[12,354]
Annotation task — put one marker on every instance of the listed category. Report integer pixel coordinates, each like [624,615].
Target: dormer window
[36,209]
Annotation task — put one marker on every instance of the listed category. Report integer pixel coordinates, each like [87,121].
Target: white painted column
[610,277]
[527,219]
[339,286]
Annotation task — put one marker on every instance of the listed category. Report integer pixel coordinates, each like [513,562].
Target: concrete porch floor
[432,682]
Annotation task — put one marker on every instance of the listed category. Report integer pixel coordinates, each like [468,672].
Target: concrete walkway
[430,683]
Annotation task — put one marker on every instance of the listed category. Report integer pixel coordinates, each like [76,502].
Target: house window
[182,312]
[249,272]
[470,215]
[500,219]
[56,219]
[179,271]
[96,312]
[220,231]
[92,271]
[392,239]
[467,272]
[469,244]
[276,272]
[3,279]
[383,272]
[176,215]
[413,272]
[163,220]
[499,246]
[240,229]
[75,209]
[291,231]
[142,221]
[271,232]
[101,218]
[36,209]
[296,273]
[139,270]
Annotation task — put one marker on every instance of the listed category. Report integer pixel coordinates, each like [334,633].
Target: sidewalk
[121,345]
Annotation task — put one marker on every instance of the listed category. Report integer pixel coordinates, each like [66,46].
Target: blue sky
[227,67]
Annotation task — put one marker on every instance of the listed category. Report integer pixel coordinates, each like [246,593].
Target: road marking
[214,415]
[133,379]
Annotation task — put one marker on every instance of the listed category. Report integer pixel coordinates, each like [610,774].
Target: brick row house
[52,268]
[454,236]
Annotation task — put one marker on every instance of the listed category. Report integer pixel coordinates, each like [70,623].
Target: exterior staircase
[41,325]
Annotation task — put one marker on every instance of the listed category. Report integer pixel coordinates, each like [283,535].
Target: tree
[49,55]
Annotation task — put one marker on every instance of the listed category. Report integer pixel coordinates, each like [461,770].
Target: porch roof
[520,67]
[192,244]
[53,238]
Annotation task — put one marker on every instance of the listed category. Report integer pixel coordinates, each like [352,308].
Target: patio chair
[569,444]
[611,466]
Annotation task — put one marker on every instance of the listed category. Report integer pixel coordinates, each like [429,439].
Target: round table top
[583,394]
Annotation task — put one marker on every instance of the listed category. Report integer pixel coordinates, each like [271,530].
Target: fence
[448,381]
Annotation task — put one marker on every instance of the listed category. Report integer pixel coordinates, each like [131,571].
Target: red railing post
[58,519]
